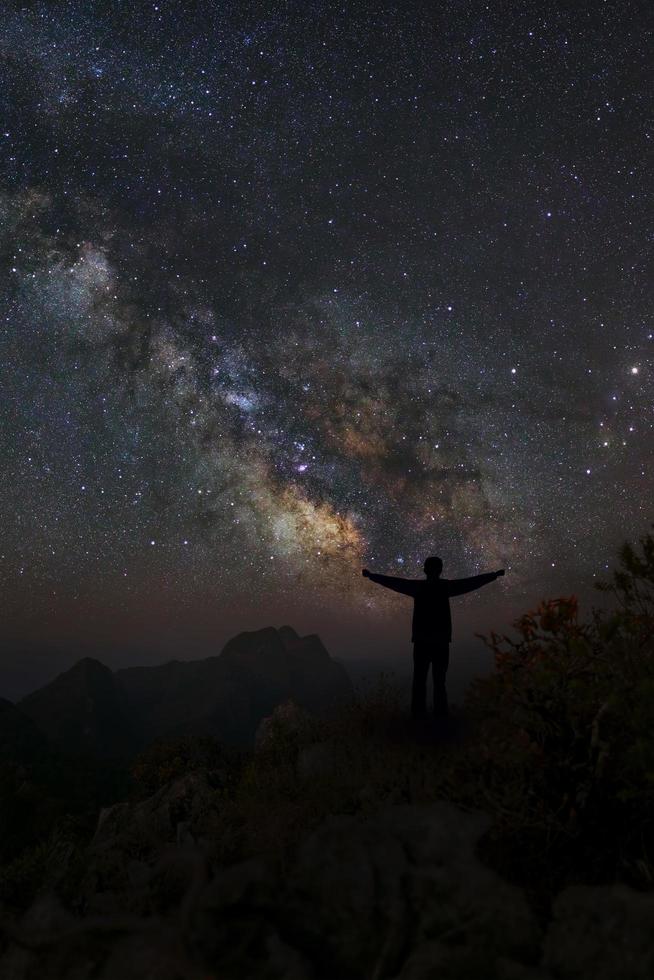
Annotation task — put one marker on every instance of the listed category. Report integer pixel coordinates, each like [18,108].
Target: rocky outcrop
[402,891]
[601,932]
[132,840]
[397,894]
[288,723]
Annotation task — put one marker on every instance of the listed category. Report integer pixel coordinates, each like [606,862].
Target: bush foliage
[565,735]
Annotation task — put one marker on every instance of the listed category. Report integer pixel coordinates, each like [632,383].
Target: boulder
[399,894]
[158,817]
[602,932]
[288,723]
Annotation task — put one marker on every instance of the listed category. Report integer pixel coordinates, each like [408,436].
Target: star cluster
[289,289]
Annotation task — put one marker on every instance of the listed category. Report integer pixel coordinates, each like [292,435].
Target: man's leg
[421,660]
[440,663]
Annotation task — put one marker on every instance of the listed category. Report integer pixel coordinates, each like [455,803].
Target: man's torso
[431,612]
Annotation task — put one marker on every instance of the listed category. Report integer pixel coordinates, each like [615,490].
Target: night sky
[294,288]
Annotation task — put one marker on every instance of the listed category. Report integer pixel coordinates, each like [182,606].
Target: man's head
[433,567]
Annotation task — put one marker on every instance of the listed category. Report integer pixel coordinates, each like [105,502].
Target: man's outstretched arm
[459,586]
[406,586]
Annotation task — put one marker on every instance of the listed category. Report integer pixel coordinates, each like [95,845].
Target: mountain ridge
[90,708]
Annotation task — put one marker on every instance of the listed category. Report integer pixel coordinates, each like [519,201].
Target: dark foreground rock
[397,894]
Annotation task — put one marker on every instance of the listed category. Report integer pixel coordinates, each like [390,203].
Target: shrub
[565,744]
[168,758]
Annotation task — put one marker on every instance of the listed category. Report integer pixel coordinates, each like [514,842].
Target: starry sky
[294,288]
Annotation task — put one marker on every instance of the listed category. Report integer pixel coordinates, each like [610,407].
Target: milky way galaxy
[292,289]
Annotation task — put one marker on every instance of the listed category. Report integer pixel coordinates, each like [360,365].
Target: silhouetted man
[432,626]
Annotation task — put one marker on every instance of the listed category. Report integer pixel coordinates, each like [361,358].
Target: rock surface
[403,888]
[396,895]
[601,932]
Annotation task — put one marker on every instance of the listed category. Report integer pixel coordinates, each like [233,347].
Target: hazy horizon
[33,657]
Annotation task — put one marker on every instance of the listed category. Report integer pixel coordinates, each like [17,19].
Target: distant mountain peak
[82,710]
[90,708]
[88,665]
[288,635]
